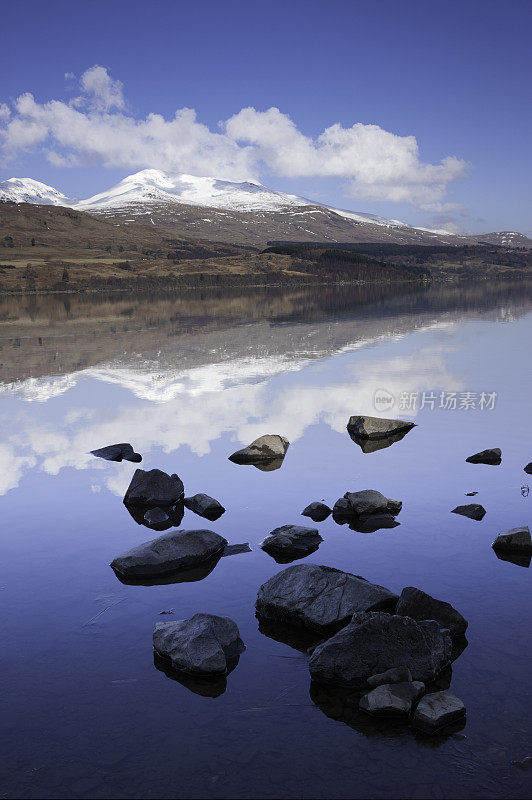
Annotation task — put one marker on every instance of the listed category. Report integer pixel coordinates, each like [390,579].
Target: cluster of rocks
[385,650]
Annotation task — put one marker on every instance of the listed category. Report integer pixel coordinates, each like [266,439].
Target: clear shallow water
[188,380]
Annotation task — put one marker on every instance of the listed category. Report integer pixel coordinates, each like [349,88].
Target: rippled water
[188,380]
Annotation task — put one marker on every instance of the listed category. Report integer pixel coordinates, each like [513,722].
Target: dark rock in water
[419,605]
[289,542]
[201,645]
[204,506]
[472,510]
[377,428]
[516,541]
[524,764]
[363,507]
[375,642]
[437,710]
[470,494]
[266,448]
[492,456]
[157,518]
[528,469]
[320,598]
[392,700]
[395,675]
[117,452]
[373,522]
[236,549]
[316,511]
[154,488]
[168,553]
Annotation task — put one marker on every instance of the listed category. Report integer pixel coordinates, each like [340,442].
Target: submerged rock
[419,605]
[392,700]
[394,675]
[377,427]
[320,598]
[289,542]
[472,510]
[236,549]
[492,456]
[168,553]
[154,488]
[470,494]
[316,511]
[201,645]
[118,452]
[515,541]
[437,710]
[268,448]
[204,506]
[375,642]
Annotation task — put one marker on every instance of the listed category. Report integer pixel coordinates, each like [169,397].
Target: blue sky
[454,75]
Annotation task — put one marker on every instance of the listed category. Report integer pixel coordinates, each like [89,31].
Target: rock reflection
[205,687]
[519,559]
[372,445]
[190,575]
[300,639]
[157,518]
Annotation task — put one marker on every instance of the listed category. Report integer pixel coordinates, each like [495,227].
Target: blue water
[188,380]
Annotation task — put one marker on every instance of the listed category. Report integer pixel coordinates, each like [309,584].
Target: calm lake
[187,380]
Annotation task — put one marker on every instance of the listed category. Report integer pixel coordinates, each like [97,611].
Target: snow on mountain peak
[156,186]
[26,190]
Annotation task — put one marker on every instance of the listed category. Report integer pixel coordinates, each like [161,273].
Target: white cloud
[375,163]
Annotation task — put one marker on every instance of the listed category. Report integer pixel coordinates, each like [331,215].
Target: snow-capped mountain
[155,186]
[237,212]
[26,190]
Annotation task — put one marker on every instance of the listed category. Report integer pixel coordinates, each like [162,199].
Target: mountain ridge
[245,212]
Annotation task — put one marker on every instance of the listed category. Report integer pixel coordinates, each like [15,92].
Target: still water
[188,380]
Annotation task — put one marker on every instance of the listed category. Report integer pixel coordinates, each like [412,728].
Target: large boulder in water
[154,488]
[117,452]
[492,456]
[268,448]
[168,553]
[320,598]
[375,642]
[289,542]
[202,645]
[204,506]
[377,428]
[419,605]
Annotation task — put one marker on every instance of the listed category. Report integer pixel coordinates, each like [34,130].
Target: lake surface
[188,380]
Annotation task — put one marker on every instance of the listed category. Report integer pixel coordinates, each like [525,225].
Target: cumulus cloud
[375,164]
